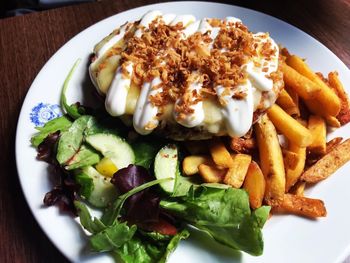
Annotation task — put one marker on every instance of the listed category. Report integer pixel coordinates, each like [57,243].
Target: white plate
[287,238]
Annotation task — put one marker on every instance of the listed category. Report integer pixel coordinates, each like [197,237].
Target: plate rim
[56,53]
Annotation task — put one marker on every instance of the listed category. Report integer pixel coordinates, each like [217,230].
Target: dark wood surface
[27,42]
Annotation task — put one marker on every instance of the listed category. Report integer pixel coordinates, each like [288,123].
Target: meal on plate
[206,127]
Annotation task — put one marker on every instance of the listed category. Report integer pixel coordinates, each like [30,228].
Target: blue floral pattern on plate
[43,112]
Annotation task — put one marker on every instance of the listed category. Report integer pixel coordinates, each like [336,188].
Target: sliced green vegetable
[59,124]
[98,190]
[113,147]
[224,214]
[166,165]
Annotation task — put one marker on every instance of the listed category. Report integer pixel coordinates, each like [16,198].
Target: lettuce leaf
[139,250]
[224,214]
[59,124]
[70,150]
[112,237]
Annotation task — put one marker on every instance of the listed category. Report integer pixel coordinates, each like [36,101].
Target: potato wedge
[220,154]
[290,159]
[286,102]
[335,83]
[304,87]
[190,163]
[302,206]
[271,160]
[294,96]
[328,164]
[242,145]
[236,173]
[332,143]
[254,184]
[317,127]
[298,188]
[332,121]
[211,174]
[293,172]
[289,127]
[326,101]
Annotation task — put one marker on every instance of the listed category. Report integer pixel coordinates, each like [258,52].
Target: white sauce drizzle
[184,19]
[146,21]
[197,117]
[145,115]
[116,96]
[237,113]
[109,44]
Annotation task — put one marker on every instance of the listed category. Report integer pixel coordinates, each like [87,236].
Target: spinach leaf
[92,225]
[86,184]
[154,236]
[74,110]
[84,157]
[139,250]
[112,237]
[59,124]
[113,212]
[182,184]
[224,214]
[104,238]
[145,151]
[71,140]
[184,234]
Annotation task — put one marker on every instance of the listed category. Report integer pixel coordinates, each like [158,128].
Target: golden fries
[304,87]
[303,206]
[344,114]
[286,102]
[326,101]
[335,83]
[298,188]
[291,128]
[290,159]
[318,129]
[211,174]
[287,162]
[271,160]
[190,163]
[254,184]
[328,164]
[220,154]
[237,172]
[332,121]
[332,143]
[242,145]
[293,172]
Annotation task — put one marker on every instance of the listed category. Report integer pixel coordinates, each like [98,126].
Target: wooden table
[27,42]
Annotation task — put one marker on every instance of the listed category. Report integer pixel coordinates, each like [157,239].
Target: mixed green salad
[136,181]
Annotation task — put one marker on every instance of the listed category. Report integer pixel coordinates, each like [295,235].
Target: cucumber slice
[166,165]
[96,188]
[113,147]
